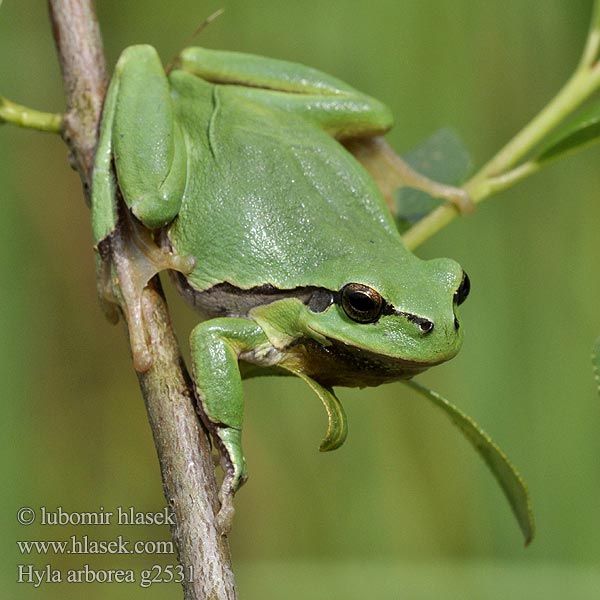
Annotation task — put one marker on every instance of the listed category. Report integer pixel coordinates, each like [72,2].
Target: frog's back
[274,199]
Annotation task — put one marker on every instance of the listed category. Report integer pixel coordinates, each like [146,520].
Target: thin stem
[577,89]
[592,46]
[497,184]
[500,172]
[21,116]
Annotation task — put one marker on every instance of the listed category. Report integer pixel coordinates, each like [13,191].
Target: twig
[81,56]
[182,444]
[21,116]
[504,170]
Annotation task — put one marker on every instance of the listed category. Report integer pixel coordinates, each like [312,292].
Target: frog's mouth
[337,363]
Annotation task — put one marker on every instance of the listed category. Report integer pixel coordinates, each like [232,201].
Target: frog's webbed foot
[390,172]
[127,260]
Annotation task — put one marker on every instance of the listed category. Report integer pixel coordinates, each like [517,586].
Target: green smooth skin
[235,162]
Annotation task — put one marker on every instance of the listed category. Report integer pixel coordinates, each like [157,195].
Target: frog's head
[375,329]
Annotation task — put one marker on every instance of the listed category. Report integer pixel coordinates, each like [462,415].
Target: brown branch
[185,460]
[81,55]
[182,444]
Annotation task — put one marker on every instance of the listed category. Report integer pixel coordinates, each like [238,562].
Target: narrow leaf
[510,481]
[596,362]
[596,16]
[582,131]
[442,157]
[337,425]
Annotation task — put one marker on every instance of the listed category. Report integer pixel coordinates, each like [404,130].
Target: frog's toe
[234,479]
[152,209]
[224,518]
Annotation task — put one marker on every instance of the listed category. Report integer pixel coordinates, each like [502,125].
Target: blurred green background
[405,509]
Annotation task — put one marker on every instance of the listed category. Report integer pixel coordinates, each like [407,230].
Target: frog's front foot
[127,259]
[224,518]
[232,482]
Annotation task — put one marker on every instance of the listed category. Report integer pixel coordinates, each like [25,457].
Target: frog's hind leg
[148,148]
[353,118]
[126,260]
[335,106]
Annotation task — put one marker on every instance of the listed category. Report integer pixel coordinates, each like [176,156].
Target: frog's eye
[463,290]
[361,303]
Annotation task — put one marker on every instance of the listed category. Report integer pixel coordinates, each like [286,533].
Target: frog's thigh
[251,70]
[344,116]
[149,150]
[337,107]
[215,346]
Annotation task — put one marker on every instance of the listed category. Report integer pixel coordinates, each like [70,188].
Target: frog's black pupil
[463,290]
[361,301]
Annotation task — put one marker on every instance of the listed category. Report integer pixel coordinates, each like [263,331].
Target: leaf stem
[592,46]
[15,114]
[500,172]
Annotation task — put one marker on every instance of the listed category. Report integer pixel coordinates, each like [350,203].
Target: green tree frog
[252,180]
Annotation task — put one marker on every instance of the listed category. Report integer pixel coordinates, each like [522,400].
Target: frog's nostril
[456,324]
[425,325]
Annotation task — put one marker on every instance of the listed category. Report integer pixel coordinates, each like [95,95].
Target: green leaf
[442,157]
[596,362]
[510,481]
[583,130]
[596,15]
